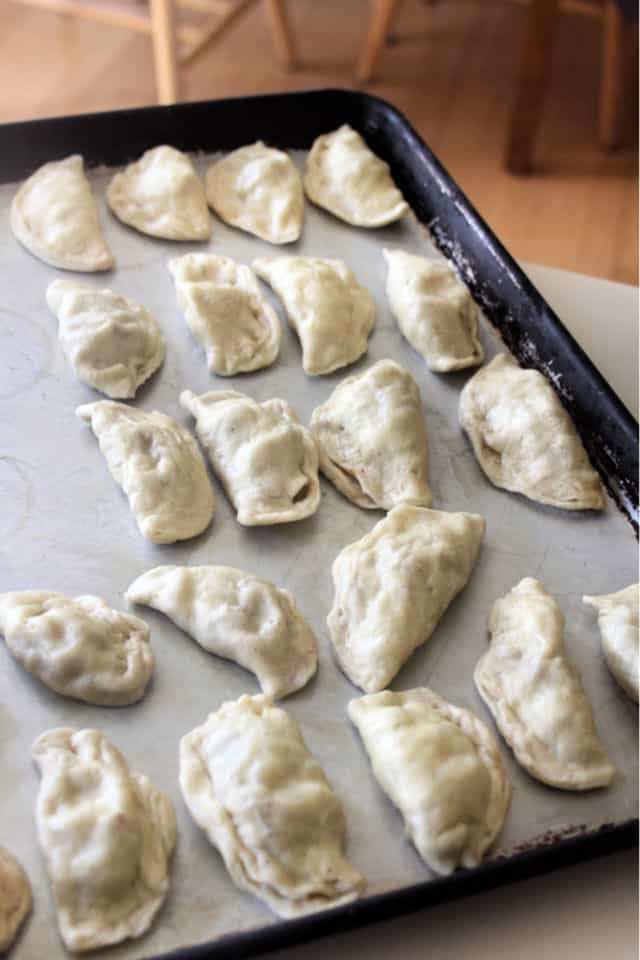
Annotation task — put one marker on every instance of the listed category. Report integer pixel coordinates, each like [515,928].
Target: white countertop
[588,911]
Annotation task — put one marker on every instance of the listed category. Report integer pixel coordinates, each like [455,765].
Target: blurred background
[530,104]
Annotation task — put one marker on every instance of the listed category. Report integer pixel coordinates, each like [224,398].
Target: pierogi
[15,898]
[257,189]
[111,342]
[524,439]
[434,310]
[441,767]
[265,803]
[372,439]
[55,216]
[330,311]
[158,464]
[265,459]
[226,312]
[80,648]
[392,586]
[346,178]
[106,835]
[618,623]
[237,616]
[161,195]
[535,693]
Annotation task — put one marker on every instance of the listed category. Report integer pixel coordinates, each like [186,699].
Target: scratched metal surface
[65,525]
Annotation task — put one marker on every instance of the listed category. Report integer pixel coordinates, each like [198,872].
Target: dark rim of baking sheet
[526,323]
[550,855]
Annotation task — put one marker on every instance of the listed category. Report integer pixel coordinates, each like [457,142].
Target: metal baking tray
[65,525]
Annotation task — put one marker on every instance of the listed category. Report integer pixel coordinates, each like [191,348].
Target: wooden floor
[450,68]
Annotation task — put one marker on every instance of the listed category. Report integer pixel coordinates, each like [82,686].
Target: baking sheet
[65,525]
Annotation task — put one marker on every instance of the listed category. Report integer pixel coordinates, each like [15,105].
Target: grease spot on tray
[17,495]
[25,350]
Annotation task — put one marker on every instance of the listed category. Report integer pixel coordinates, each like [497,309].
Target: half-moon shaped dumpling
[264,802]
[158,464]
[226,312]
[372,440]
[106,835]
[393,585]
[618,622]
[346,178]
[15,898]
[441,767]
[111,342]
[55,216]
[258,189]
[525,440]
[237,616]
[161,195]
[330,311]
[265,459]
[434,310]
[80,648]
[535,694]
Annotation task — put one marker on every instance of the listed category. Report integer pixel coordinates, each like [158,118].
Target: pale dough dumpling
[265,459]
[618,622]
[158,464]
[15,898]
[441,767]
[106,834]
[55,216]
[434,310]
[330,311]
[238,616]
[525,440]
[226,312]
[264,802]
[111,342]
[161,195]
[258,189]
[80,648]
[345,177]
[393,585]
[535,694]
[372,439]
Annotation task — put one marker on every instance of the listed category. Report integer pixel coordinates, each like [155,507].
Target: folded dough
[55,216]
[15,898]
[258,189]
[345,177]
[161,195]
[331,313]
[158,464]
[372,439]
[265,459]
[106,835]
[264,802]
[226,312]
[80,648]
[111,342]
[393,585]
[434,310]
[237,616]
[441,768]
[535,694]
[525,440]
[618,622]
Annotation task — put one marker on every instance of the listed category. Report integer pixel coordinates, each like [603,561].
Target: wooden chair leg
[379,25]
[535,65]
[282,33]
[164,50]
[612,76]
